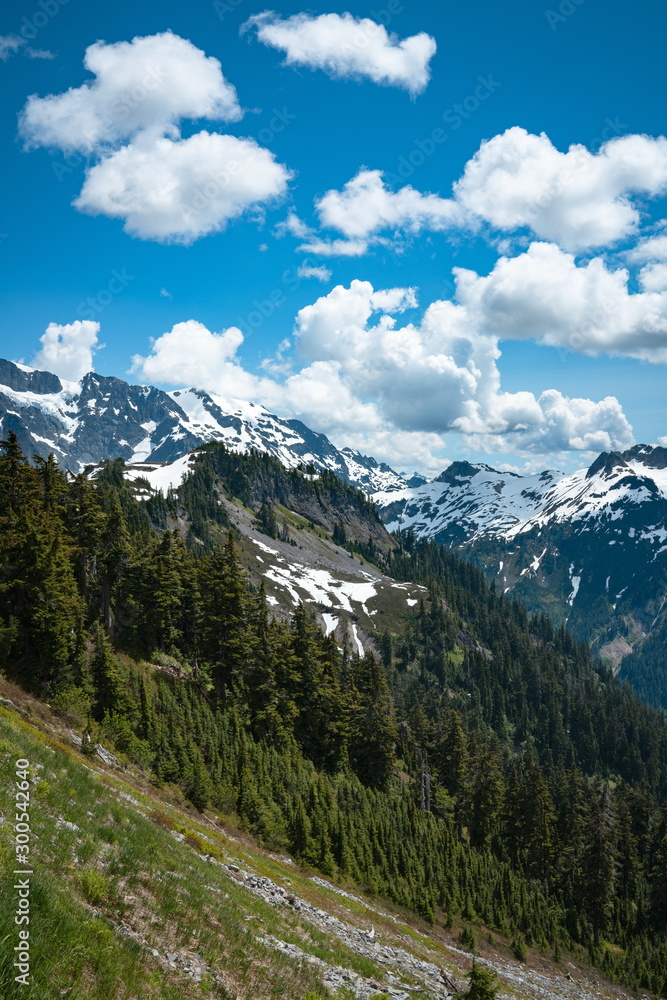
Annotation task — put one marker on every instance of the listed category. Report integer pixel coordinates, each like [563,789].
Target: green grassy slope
[134,893]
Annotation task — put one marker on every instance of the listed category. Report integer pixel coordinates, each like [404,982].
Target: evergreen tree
[482,983]
[223,634]
[107,678]
[598,862]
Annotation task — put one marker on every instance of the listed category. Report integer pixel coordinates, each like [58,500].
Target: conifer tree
[107,678]
[482,983]
[658,878]
[113,558]
[598,862]
[373,732]
[223,634]
[486,795]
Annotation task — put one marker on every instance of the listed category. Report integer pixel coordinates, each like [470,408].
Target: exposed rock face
[588,548]
[101,417]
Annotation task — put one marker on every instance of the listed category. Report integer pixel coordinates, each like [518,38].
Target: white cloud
[651,249]
[334,248]
[68,350]
[543,295]
[321,273]
[294,226]
[392,391]
[178,191]
[189,353]
[515,181]
[165,188]
[577,199]
[345,46]
[653,277]
[366,206]
[394,300]
[552,423]
[9,44]
[148,83]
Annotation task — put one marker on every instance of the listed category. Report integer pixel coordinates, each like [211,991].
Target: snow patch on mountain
[576,583]
[467,503]
[102,418]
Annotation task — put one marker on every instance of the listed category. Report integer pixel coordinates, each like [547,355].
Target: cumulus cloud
[388,389]
[653,277]
[334,248]
[179,190]
[68,350]
[148,83]
[293,226]
[442,375]
[188,353]
[517,180]
[651,249]
[348,47]
[544,295]
[577,199]
[307,271]
[366,206]
[128,118]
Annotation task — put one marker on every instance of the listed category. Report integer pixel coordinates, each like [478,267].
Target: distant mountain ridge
[588,548]
[469,502]
[103,417]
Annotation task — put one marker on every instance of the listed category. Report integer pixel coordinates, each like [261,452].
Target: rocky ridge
[588,548]
[100,417]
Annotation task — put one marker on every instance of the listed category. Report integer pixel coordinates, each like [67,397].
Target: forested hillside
[645,670]
[482,767]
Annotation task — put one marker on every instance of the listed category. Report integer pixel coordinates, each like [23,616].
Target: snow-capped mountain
[100,417]
[589,547]
[468,502]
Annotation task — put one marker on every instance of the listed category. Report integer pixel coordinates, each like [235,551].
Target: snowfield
[472,502]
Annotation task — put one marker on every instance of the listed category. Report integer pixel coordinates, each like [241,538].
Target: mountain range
[103,417]
[588,548]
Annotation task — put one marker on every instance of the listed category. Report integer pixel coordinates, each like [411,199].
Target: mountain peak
[461,470]
[103,417]
[24,379]
[606,463]
[652,456]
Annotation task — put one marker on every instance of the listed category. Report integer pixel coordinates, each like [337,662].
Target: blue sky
[411,385]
